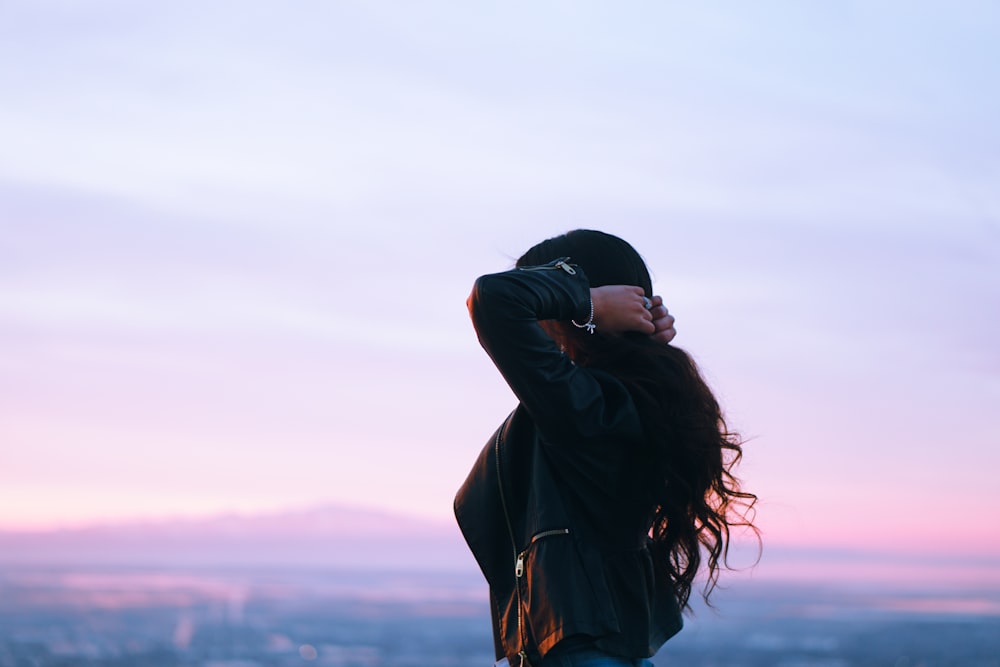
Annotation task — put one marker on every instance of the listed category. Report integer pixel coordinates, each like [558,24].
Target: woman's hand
[621,308]
[663,321]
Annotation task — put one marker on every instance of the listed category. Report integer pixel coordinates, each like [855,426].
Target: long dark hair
[692,452]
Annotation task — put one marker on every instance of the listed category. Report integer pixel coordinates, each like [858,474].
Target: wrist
[587,323]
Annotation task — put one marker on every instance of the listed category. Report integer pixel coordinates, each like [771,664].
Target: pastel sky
[237,238]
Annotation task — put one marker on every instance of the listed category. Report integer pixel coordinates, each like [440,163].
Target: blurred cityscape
[53,616]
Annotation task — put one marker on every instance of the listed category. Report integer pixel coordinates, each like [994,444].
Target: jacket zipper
[562,263]
[518,561]
[519,556]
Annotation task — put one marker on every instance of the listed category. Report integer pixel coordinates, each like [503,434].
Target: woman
[590,508]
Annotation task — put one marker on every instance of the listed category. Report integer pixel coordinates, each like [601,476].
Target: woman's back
[612,474]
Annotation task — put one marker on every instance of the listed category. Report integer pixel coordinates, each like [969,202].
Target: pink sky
[236,250]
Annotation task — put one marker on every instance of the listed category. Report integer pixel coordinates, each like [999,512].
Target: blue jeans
[587,656]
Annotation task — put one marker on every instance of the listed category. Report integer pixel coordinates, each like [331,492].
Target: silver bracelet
[589,324]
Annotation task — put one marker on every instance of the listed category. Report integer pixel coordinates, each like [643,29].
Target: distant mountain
[354,539]
[332,536]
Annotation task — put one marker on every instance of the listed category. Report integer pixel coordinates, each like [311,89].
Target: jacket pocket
[565,590]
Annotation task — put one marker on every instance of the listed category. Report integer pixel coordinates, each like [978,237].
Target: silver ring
[646,303]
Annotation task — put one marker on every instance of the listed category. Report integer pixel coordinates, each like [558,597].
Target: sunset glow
[236,248]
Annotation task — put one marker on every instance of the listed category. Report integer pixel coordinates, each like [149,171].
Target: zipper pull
[561,264]
[519,566]
[523,655]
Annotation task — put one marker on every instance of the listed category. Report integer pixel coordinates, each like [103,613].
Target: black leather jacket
[551,509]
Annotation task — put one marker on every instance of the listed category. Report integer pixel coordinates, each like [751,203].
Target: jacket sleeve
[564,400]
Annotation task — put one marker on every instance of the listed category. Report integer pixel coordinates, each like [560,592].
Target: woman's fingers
[663,321]
[620,308]
[665,335]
